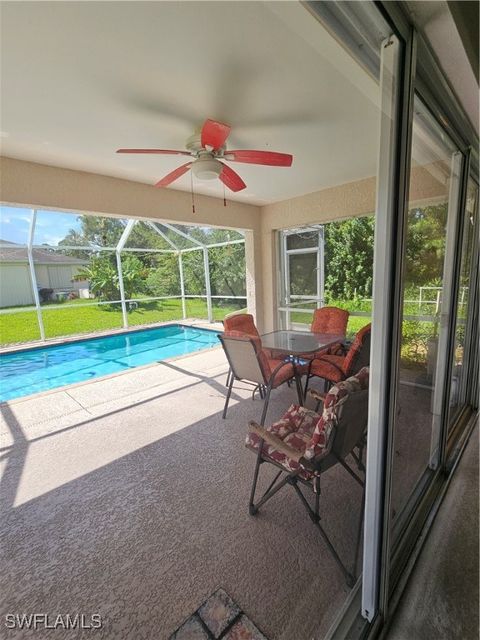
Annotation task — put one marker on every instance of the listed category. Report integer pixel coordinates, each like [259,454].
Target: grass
[72,318]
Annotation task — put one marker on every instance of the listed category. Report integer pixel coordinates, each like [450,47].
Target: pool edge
[72,385]
[52,342]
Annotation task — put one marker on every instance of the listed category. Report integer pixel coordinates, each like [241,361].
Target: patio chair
[329,320]
[239,324]
[249,363]
[334,368]
[303,445]
[332,320]
[242,322]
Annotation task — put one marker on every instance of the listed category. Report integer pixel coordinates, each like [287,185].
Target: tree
[349,258]
[102,275]
[227,270]
[95,231]
[425,246]
[164,277]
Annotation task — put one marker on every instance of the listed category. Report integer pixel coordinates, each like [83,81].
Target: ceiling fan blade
[270,158]
[167,152]
[173,175]
[214,134]
[231,179]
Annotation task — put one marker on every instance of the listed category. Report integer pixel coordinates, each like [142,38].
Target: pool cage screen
[178,242]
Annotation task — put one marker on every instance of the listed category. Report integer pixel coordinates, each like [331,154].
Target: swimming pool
[44,368]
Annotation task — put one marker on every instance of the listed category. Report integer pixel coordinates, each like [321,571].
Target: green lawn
[73,319]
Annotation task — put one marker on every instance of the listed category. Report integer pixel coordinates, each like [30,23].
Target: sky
[50,228]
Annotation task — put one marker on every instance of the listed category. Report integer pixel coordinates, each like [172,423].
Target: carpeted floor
[128,498]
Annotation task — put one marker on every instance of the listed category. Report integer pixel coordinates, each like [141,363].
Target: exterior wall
[15,287]
[55,276]
[336,203]
[60,276]
[31,184]
[41,274]
[343,201]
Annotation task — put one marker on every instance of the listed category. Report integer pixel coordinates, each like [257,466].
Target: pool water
[25,372]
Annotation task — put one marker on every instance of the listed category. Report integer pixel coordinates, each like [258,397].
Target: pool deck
[128,495]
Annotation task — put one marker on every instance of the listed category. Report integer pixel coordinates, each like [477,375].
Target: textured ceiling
[81,79]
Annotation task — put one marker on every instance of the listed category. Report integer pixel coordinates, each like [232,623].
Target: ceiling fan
[208,150]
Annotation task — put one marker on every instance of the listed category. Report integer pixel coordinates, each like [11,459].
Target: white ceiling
[81,79]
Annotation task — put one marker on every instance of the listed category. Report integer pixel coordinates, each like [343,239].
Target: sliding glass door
[460,363]
[429,257]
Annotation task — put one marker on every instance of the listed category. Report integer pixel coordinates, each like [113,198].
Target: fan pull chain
[191,188]
[224,198]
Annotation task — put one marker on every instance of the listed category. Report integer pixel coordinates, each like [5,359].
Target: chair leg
[315,517]
[306,385]
[265,405]
[227,382]
[251,505]
[273,488]
[300,394]
[229,393]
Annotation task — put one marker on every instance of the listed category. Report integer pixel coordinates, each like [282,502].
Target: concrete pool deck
[128,495]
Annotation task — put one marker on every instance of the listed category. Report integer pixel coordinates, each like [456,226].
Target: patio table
[294,344]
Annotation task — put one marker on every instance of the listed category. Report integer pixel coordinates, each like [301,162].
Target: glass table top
[297,342]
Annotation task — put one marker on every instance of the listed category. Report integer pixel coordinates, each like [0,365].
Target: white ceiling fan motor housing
[206,168]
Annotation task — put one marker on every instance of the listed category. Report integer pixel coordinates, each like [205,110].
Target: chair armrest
[276,442]
[317,395]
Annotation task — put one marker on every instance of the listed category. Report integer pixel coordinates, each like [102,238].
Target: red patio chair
[242,322]
[330,320]
[335,368]
[238,325]
[249,363]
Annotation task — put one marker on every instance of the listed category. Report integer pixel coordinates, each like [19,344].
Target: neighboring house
[52,270]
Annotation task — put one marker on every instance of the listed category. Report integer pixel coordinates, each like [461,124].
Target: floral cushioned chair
[304,444]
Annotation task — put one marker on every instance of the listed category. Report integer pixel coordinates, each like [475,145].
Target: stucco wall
[31,184]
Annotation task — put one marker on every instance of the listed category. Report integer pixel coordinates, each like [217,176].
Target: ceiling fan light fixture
[207,168]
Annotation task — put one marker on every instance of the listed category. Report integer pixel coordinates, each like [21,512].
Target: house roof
[16,253]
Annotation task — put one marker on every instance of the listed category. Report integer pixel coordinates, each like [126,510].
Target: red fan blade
[231,179]
[214,134]
[171,177]
[162,151]
[260,157]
